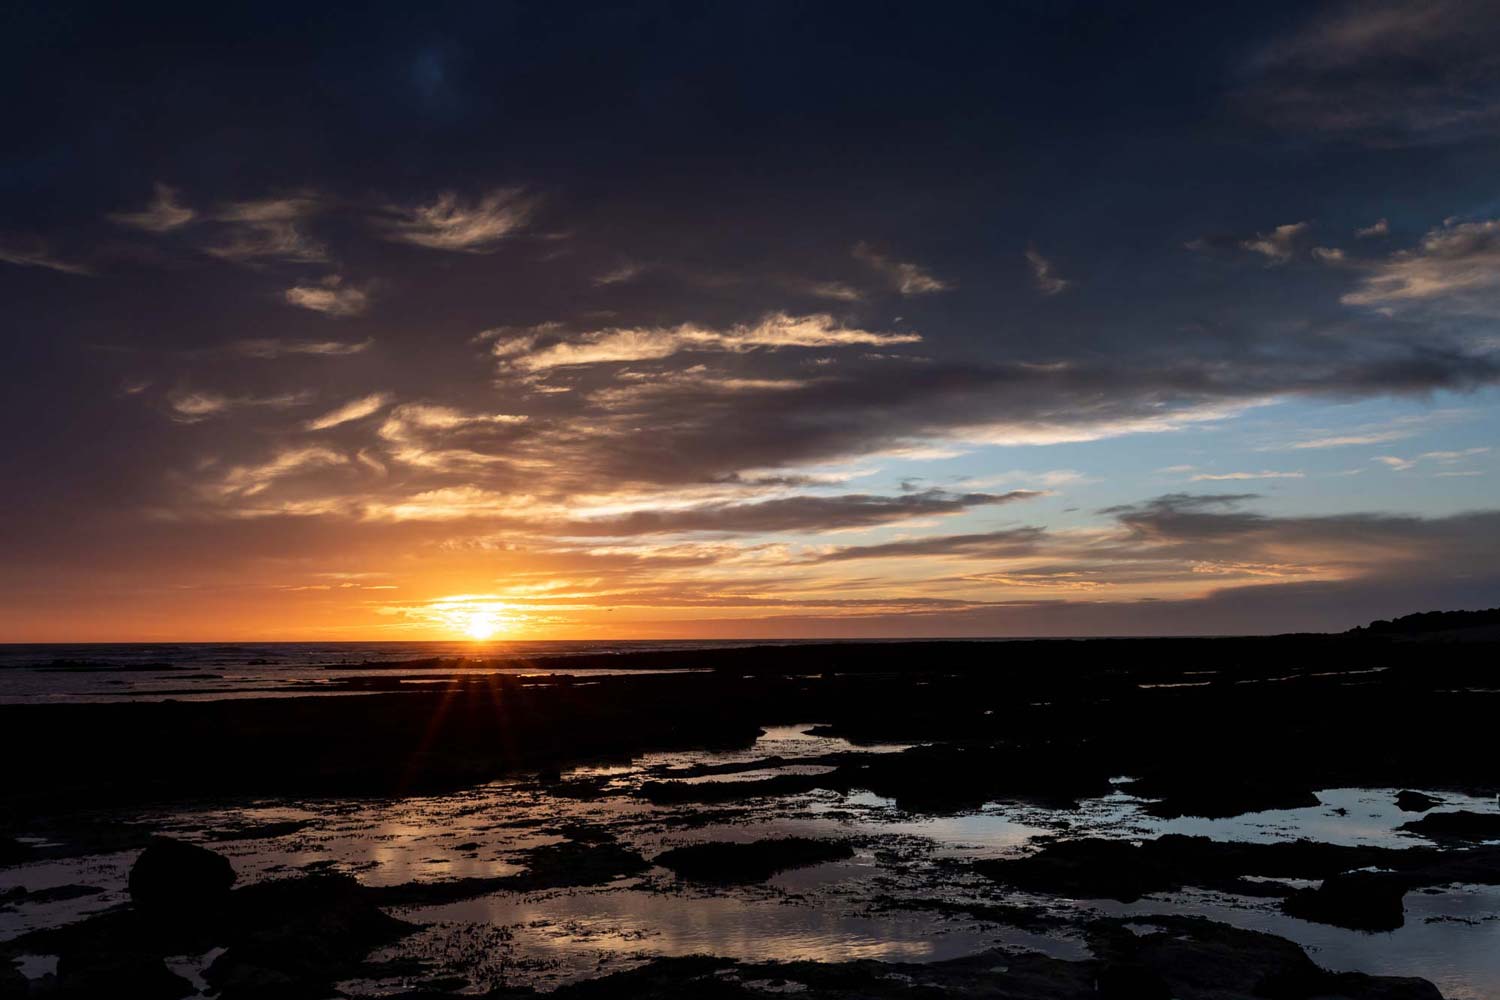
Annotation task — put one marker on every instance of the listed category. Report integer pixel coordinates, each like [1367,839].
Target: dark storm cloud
[990,544]
[805,513]
[1387,72]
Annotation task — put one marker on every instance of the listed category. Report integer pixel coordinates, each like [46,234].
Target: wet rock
[1115,869]
[13,851]
[102,973]
[296,937]
[171,875]
[1460,825]
[727,863]
[1220,797]
[1410,801]
[1130,981]
[949,778]
[1362,901]
[1199,958]
[13,985]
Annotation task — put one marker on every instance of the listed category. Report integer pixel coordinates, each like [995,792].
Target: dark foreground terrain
[1185,728]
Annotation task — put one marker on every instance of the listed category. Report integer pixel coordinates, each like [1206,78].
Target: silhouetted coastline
[1190,727]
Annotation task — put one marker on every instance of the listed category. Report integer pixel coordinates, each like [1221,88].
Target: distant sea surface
[42,673]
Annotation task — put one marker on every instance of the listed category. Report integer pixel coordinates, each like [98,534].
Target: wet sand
[917,803]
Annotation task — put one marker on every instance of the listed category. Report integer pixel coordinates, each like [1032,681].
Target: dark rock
[296,937]
[726,863]
[102,973]
[1095,868]
[1199,958]
[1362,901]
[13,985]
[1410,801]
[1460,825]
[14,852]
[171,875]
[1127,981]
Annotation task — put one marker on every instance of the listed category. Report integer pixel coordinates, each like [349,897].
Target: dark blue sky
[767,319]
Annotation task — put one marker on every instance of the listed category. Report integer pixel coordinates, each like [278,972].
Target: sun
[481,625]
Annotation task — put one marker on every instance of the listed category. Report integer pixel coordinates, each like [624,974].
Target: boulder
[172,876]
[1361,901]
[1415,802]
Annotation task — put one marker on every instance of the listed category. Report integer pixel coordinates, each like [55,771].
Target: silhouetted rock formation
[173,876]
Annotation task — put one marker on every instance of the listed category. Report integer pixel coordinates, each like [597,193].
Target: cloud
[193,406]
[1279,245]
[1212,477]
[450,223]
[1387,72]
[800,513]
[1455,268]
[1043,275]
[355,409]
[1379,228]
[162,214]
[268,229]
[905,277]
[1011,543]
[329,297]
[1441,457]
[621,275]
[776,330]
[270,347]
[1345,440]
[254,479]
[1329,255]
[33,253]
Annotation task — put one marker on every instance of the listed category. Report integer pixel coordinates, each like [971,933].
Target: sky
[645,320]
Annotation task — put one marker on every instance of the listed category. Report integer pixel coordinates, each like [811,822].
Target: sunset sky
[747,320]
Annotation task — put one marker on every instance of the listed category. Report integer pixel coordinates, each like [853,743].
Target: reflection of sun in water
[481,625]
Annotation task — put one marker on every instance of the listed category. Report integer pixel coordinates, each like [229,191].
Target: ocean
[93,672]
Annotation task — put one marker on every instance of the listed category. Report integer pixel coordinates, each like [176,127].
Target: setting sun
[481,625]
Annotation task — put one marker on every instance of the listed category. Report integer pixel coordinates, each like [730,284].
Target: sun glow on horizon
[482,625]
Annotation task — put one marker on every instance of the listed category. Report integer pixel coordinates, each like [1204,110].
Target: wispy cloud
[1381,227]
[904,276]
[1044,275]
[269,229]
[276,348]
[164,213]
[1228,476]
[777,330]
[1439,457]
[330,297]
[1279,245]
[33,253]
[355,409]
[451,223]
[191,406]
